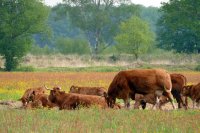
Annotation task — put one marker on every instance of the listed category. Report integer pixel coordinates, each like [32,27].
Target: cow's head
[57,88]
[32,96]
[73,89]
[109,100]
[186,90]
[54,88]
[54,94]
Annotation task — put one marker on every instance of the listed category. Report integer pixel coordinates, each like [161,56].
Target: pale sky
[155,3]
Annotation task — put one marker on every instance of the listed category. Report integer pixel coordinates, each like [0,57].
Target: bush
[25,69]
[72,46]
[37,50]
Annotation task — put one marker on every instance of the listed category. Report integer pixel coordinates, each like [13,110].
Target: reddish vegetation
[20,81]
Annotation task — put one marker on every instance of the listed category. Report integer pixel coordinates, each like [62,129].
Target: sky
[154,3]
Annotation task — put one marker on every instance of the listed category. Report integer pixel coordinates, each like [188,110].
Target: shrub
[72,46]
[25,69]
[197,68]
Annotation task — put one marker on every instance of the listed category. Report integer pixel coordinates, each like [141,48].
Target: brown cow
[126,83]
[74,101]
[99,91]
[41,98]
[178,82]
[192,91]
[26,97]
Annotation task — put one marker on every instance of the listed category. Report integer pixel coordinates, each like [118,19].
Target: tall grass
[96,120]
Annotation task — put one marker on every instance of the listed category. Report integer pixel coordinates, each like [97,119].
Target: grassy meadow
[94,120]
[13,85]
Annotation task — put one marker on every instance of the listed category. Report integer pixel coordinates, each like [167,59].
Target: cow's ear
[71,88]
[105,95]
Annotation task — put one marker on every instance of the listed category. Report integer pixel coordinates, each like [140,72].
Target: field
[13,85]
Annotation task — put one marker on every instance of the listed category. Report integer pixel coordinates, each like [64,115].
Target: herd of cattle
[154,86]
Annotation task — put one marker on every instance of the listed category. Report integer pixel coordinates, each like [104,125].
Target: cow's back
[91,91]
[178,81]
[147,81]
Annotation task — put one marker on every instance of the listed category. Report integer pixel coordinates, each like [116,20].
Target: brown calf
[99,91]
[26,97]
[192,91]
[74,101]
[42,99]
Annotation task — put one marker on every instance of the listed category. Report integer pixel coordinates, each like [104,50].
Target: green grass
[106,68]
[96,120]
[11,96]
[81,69]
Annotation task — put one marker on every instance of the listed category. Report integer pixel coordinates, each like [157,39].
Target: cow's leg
[157,102]
[186,102]
[171,99]
[158,93]
[193,103]
[198,102]
[127,103]
[136,104]
[143,103]
[178,98]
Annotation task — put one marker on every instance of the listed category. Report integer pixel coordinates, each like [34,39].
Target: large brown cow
[126,83]
[74,101]
[26,97]
[192,91]
[99,91]
[178,82]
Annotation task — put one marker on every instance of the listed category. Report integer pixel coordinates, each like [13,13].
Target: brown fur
[149,98]
[127,83]
[99,91]
[192,91]
[41,98]
[74,101]
[26,97]
[178,81]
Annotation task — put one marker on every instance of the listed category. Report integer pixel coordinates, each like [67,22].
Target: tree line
[90,27]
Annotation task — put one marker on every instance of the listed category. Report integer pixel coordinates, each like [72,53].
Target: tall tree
[135,37]
[19,20]
[96,19]
[179,26]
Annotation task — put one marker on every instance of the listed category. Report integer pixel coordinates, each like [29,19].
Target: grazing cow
[126,83]
[74,101]
[192,91]
[178,82]
[99,91]
[26,97]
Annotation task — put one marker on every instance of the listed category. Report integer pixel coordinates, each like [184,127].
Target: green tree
[19,20]
[179,26]
[135,37]
[96,19]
